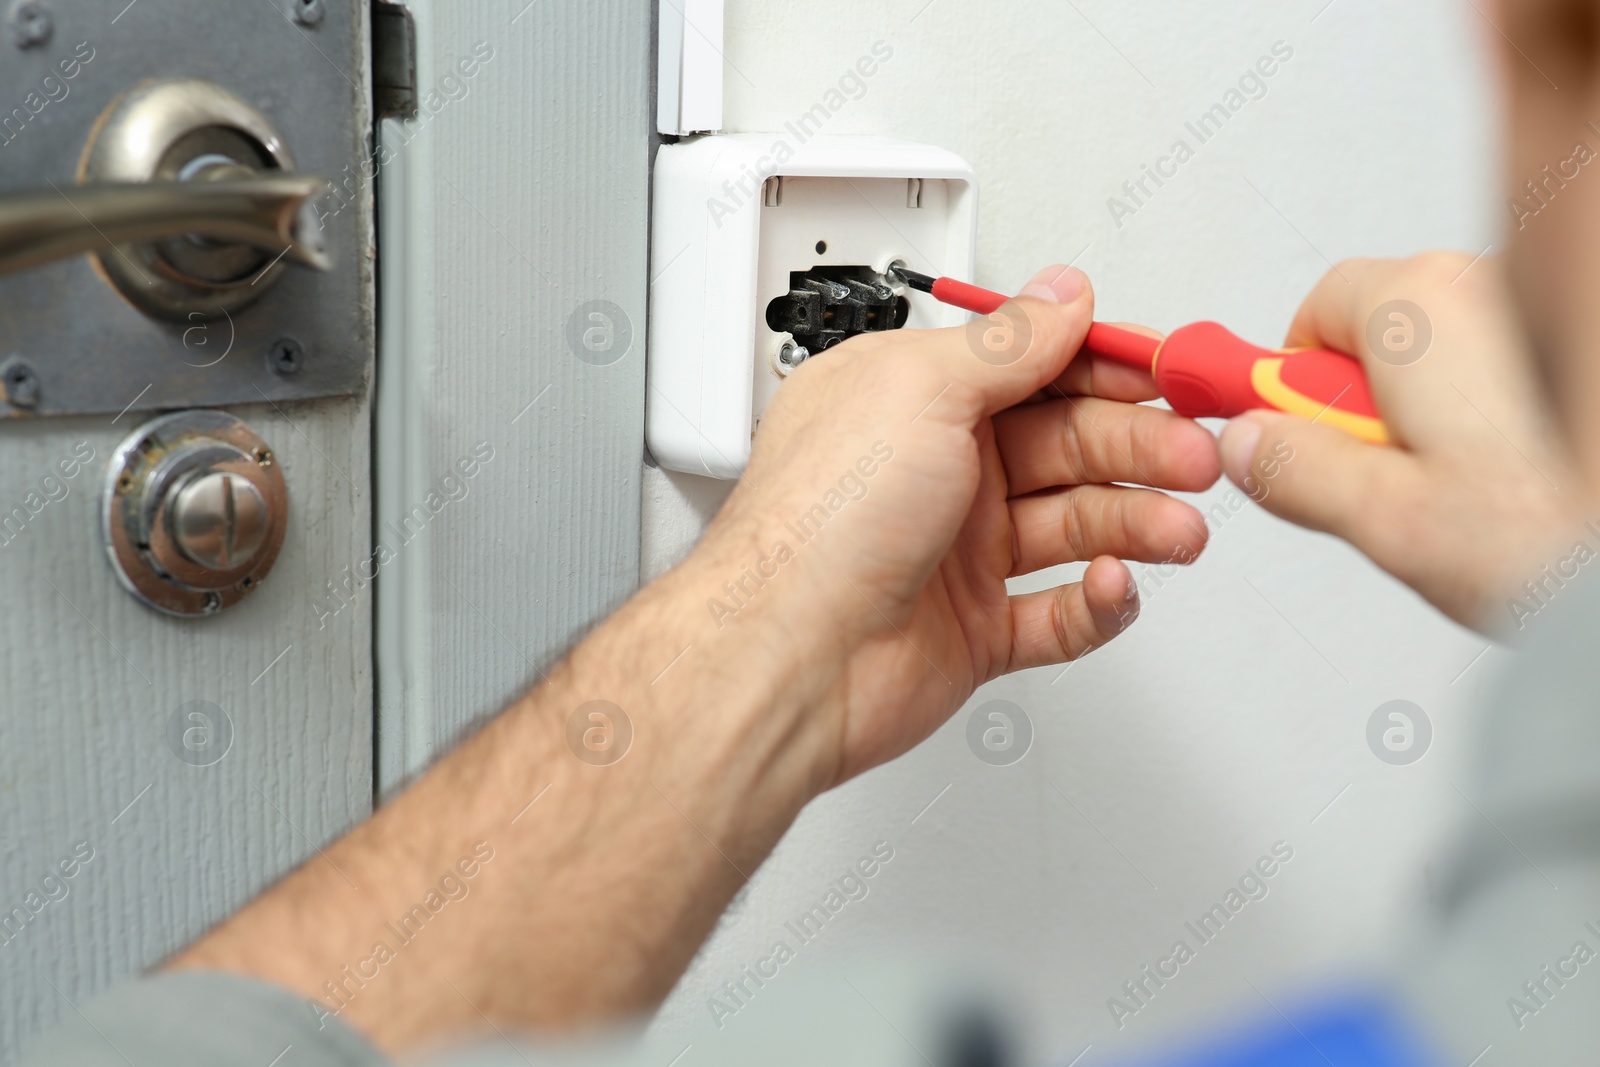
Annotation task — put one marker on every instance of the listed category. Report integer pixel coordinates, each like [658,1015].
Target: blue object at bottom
[1355,1032]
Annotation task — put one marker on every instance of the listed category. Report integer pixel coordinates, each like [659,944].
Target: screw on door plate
[285,356]
[28,23]
[307,12]
[21,382]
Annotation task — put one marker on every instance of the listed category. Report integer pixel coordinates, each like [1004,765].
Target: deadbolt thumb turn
[195,512]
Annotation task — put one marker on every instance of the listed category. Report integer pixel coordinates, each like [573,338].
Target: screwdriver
[1204,371]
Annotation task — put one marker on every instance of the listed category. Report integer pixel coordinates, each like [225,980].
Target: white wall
[1231,715]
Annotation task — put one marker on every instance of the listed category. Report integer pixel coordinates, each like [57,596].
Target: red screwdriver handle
[1203,370]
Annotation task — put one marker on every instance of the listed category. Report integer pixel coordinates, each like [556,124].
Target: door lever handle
[226,203]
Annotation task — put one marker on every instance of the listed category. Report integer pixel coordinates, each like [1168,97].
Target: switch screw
[792,355]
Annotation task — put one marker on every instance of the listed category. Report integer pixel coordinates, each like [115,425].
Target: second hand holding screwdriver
[1205,371]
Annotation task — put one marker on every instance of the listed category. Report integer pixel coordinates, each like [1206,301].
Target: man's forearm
[522,882]
[846,600]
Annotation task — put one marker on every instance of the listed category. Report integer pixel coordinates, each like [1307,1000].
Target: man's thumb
[1310,474]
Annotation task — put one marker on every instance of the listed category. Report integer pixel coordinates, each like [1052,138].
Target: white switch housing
[733,216]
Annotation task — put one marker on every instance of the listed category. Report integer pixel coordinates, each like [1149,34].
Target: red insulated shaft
[1110,342]
[1204,371]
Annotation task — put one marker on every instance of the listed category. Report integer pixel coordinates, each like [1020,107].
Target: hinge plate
[394,62]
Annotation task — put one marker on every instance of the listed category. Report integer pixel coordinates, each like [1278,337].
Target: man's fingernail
[1059,285]
[1130,604]
[1239,440]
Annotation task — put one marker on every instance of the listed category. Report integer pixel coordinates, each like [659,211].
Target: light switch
[767,251]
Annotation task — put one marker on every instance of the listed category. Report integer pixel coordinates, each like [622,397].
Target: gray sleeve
[1510,961]
[200,1019]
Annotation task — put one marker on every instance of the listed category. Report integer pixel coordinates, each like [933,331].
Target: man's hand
[848,599]
[898,480]
[1475,490]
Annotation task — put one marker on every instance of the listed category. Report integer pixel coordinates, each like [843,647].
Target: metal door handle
[185,195]
[273,212]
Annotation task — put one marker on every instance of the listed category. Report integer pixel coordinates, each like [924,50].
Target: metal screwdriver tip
[900,275]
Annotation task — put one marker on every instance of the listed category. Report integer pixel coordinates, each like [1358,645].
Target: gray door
[157,770]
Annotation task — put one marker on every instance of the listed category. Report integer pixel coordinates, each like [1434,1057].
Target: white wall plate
[725,240]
